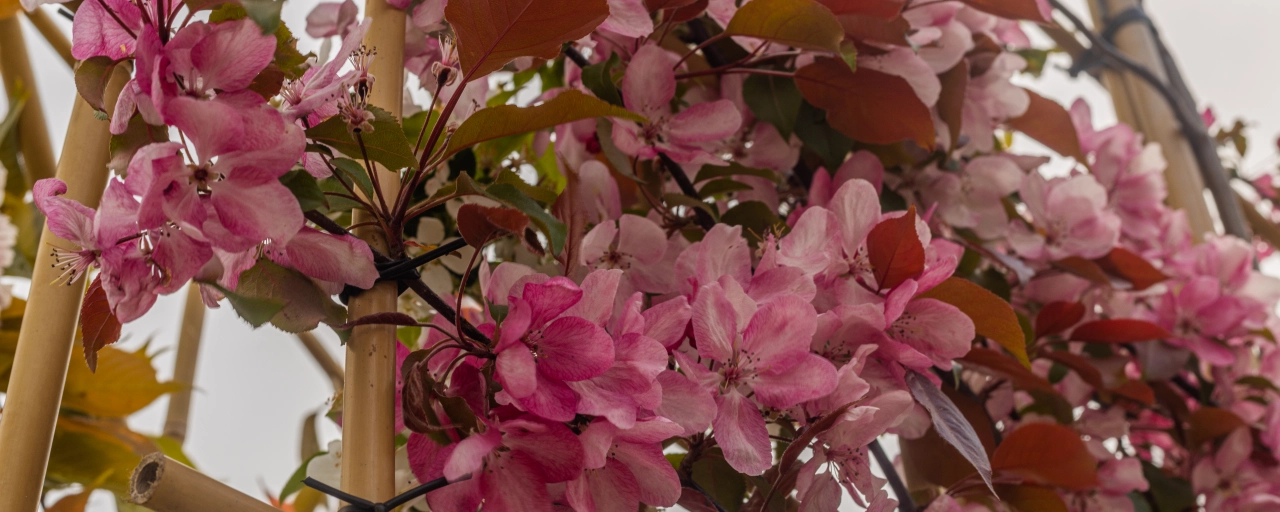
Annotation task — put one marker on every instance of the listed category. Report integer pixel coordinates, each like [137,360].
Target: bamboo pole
[52,34]
[1142,107]
[368,437]
[48,331]
[166,485]
[184,368]
[33,136]
[322,358]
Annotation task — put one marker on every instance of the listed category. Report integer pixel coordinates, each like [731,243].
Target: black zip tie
[403,271]
[66,13]
[358,504]
[1093,58]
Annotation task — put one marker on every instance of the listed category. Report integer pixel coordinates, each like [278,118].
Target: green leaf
[305,304]
[266,13]
[721,481]
[553,228]
[91,79]
[413,125]
[721,186]
[755,217]
[254,310]
[617,159]
[820,138]
[1171,494]
[599,78]
[137,134]
[295,480]
[774,99]
[709,172]
[463,186]
[542,195]
[386,144]
[353,173]
[336,204]
[494,122]
[305,189]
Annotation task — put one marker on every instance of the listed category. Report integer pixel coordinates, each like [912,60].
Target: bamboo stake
[368,437]
[15,67]
[53,35]
[1138,105]
[48,331]
[184,368]
[322,357]
[166,485]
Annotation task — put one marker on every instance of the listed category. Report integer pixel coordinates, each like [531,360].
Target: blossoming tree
[659,253]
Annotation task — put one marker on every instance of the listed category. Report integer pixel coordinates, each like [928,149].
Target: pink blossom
[647,89]
[624,468]
[1070,219]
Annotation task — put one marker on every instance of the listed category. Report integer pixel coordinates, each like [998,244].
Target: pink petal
[649,82]
[233,53]
[341,259]
[256,210]
[810,378]
[857,205]
[740,431]
[551,446]
[629,18]
[552,400]
[658,483]
[705,122]
[517,371]
[96,32]
[596,243]
[667,321]
[516,487]
[551,298]
[809,245]
[573,349]
[597,440]
[426,458]
[863,165]
[499,284]
[641,239]
[66,218]
[599,289]
[780,330]
[715,324]
[935,328]
[823,496]
[613,489]
[684,402]
[468,456]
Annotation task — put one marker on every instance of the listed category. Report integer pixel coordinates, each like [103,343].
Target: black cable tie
[404,270]
[1093,58]
[358,504]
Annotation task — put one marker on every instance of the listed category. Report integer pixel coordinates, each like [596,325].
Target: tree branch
[443,308]
[891,474]
[701,216]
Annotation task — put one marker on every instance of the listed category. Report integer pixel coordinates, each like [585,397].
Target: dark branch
[891,474]
[1183,107]
[701,216]
[689,483]
[428,257]
[443,308]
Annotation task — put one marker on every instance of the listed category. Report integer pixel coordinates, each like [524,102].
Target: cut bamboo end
[33,136]
[52,34]
[165,485]
[184,367]
[331,367]
[48,330]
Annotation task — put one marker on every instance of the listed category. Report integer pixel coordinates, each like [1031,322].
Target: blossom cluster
[740,255]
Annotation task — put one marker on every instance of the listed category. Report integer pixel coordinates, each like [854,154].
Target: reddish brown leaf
[98,324]
[1118,330]
[992,317]
[1137,391]
[1135,269]
[1056,317]
[867,106]
[804,24]
[1081,365]
[1050,124]
[895,251]
[1083,268]
[689,12]
[871,28]
[1031,10]
[886,9]
[955,82]
[1004,366]
[1046,454]
[480,224]
[1032,497]
[1208,423]
[657,5]
[492,33]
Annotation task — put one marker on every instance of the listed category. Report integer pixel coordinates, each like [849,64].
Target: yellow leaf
[124,383]
[803,24]
[84,450]
[501,121]
[992,316]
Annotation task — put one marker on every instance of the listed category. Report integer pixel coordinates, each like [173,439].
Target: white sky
[254,387]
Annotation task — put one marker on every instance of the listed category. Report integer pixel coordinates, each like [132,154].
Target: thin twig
[677,173]
[443,308]
[891,474]
[694,485]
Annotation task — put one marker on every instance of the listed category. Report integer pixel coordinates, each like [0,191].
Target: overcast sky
[254,387]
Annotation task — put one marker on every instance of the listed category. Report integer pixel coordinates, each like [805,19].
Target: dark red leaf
[955,84]
[688,12]
[480,224]
[1083,268]
[1056,317]
[895,251]
[98,324]
[1135,269]
[1005,366]
[1085,369]
[1050,124]
[870,28]
[867,105]
[1137,391]
[1046,454]
[1209,423]
[1031,10]
[1118,330]
[886,9]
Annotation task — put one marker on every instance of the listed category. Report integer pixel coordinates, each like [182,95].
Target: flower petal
[740,431]
[573,349]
